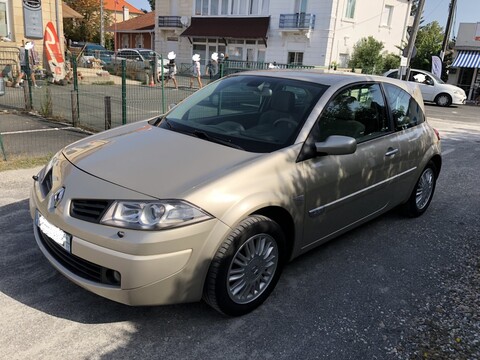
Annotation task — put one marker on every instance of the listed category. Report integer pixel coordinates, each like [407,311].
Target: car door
[343,190]
[425,83]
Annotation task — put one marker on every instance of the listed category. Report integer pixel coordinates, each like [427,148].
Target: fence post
[162,75]
[75,83]
[108,112]
[221,69]
[74,100]
[28,98]
[124,91]
[29,79]
[3,149]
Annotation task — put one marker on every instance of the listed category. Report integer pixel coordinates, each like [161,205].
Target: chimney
[126,13]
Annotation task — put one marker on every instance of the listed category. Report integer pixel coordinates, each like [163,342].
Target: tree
[88,28]
[390,61]
[152,4]
[428,43]
[367,55]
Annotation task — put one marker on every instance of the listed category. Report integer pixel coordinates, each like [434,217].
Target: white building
[464,70]
[308,32]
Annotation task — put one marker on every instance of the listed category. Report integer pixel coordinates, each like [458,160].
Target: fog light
[113,277]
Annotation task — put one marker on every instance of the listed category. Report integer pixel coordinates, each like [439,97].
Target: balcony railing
[169,21]
[300,21]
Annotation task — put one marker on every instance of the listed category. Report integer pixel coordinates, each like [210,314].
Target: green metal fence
[98,95]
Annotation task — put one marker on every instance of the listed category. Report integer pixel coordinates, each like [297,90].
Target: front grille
[80,267]
[89,210]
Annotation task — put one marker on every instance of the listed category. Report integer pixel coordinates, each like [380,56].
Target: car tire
[443,100]
[422,193]
[246,267]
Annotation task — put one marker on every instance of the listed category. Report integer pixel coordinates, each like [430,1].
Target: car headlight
[460,92]
[153,215]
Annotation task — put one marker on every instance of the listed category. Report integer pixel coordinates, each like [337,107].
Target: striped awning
[467,59]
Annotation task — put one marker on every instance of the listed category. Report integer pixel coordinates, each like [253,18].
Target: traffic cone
[151,81]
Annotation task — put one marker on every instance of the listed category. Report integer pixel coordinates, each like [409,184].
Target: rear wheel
[422,193]
[443,100]
[246,267]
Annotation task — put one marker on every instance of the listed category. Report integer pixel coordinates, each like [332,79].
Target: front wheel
[246,267]
[443,100]
[422,193]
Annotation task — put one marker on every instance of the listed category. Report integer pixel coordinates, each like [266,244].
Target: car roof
[325,77]
[336,79]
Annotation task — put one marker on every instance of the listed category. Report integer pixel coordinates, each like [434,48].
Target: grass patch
[24,162]
[107,82]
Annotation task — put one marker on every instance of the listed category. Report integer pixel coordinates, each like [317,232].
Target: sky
[467,11]
[140,4]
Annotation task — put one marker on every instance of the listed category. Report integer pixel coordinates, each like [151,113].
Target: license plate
[58,235]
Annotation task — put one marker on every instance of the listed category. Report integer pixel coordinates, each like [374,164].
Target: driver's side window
[357,111]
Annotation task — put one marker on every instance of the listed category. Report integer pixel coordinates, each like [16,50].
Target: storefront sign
[32,19]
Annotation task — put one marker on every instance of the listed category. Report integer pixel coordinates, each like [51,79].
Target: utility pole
[102,25]
[413,36]
[446,38]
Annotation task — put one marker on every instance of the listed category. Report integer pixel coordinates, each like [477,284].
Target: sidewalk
[15,185]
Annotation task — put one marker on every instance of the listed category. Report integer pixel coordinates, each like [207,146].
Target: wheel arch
[437,161]
[285,220]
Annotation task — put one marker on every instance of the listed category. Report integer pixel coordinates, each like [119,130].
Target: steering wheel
[285,120]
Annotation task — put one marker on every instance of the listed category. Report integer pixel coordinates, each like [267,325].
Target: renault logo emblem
[56,198]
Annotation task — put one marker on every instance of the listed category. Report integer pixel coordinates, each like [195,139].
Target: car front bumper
[152,267]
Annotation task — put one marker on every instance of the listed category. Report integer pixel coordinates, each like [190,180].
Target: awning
[467,59]
[236,28]
[69,13]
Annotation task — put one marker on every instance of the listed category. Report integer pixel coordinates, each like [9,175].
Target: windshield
[254,113]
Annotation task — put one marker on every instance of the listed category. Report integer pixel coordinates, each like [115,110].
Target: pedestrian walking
[172,69]
[196,73]
[32,58]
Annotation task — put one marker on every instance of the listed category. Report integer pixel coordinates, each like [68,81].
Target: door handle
[391,152]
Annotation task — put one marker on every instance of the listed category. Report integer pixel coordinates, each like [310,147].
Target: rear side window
[405,110]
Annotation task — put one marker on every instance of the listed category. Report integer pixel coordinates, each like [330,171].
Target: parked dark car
[91,49]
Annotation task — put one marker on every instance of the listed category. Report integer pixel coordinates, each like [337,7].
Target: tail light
[437,133]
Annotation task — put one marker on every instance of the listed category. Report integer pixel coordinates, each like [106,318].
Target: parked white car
[433,88]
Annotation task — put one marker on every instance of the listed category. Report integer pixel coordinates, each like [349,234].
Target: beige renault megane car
[212,199]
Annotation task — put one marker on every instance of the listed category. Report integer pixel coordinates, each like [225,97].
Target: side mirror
[337,145]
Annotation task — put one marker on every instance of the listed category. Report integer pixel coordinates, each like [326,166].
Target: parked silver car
[213,198]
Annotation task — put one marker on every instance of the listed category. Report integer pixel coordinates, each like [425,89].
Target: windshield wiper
[203,135]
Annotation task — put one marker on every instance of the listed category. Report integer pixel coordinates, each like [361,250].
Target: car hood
[153,161]
[452,88]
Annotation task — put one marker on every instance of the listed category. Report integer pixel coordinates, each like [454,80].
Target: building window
[4,23]
[350,10]
[300,6]
[232,7]
[295,58]
[387,15]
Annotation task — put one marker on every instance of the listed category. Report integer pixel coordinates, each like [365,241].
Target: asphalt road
[361,296]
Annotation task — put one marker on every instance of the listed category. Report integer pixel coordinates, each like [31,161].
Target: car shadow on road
[331,293]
